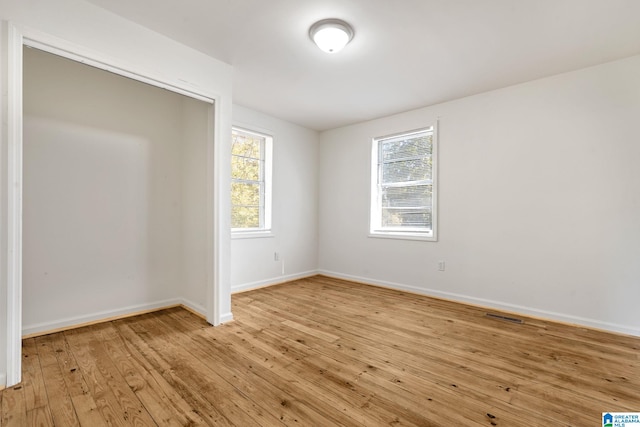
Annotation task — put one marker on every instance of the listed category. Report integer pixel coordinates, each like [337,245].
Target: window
[250,181]
[403,185]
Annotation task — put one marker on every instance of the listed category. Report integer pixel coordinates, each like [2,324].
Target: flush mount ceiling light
[331,35]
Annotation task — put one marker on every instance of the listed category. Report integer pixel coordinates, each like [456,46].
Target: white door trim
[14,205]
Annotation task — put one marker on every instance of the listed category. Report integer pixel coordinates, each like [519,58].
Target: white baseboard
[511,308]
[105,316]
[273,281]
[3,380]
[202,312]
[227,317]
[96,317]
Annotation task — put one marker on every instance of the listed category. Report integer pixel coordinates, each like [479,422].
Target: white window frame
[375,227]
[265,230]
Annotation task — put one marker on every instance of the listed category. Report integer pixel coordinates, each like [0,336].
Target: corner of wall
[258,262]
[227,317]
[193,307]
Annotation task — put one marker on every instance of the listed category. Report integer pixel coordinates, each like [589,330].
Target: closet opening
[114,195]
[111,210]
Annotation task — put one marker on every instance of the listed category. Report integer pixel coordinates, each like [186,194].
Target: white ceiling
[405,53]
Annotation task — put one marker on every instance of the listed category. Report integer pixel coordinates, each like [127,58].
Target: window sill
[403,236]
[257,234]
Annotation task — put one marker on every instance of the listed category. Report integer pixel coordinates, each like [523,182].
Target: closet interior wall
[114,195]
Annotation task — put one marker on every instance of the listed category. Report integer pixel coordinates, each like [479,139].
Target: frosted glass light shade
[331,35]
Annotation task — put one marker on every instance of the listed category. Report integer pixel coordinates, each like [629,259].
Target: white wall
[538,207]
[295,207]
[195,121]
[102,35]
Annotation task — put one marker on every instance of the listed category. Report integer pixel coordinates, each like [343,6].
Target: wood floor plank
[511,358]
[299,412]
[293,391]
[447,363]
[35,393]
[84,402]
[388,381]
[555,372]
[118,404]
[161,401]
[34,390]
[219,392]
[106,403]
[40,417]
[187,383]
[60,405]
[14,412]
[323,352]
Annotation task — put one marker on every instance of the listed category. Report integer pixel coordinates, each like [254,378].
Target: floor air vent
[504,318]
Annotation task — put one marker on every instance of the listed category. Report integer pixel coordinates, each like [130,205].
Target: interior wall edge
[196,309]
[491,304]
[272,281]
[3,380]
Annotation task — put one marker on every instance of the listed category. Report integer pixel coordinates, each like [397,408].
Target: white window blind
[403,184]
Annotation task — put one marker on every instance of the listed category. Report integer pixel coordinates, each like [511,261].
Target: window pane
[418,145]
[407,197]
[245,217]
[245,194]
[407,170]
[250,180]
[246,145]
[243,168]
[403,183]
[406,218]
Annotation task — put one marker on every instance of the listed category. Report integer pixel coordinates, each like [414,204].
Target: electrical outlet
[276,256]
[440,265]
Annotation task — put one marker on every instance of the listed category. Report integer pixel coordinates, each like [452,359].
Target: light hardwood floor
[325,352]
